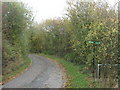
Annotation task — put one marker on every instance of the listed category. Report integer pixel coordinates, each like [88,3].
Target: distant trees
[51,37]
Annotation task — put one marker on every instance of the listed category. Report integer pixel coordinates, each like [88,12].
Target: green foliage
[16,20]
[51,37]
[69,37]
[94,23]
[66,37]
[72,57]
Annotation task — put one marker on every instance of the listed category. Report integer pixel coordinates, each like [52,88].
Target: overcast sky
[44,9]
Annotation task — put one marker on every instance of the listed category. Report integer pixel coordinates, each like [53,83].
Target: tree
[16,20]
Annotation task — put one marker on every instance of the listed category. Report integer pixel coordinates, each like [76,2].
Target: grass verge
[20,69]
[76,79]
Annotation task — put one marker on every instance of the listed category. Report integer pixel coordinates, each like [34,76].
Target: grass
[76,79]
[17,71]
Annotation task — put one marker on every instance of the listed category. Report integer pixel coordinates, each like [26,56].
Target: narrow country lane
[42,74]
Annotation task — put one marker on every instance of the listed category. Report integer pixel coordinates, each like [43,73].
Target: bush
[70,57]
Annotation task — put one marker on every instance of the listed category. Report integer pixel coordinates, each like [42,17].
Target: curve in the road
[43,73]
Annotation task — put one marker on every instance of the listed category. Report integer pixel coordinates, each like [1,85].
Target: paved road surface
[42,74]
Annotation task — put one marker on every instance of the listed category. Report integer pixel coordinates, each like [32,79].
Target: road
[43,73]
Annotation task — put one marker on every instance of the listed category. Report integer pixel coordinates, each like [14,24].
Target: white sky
[44,9]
